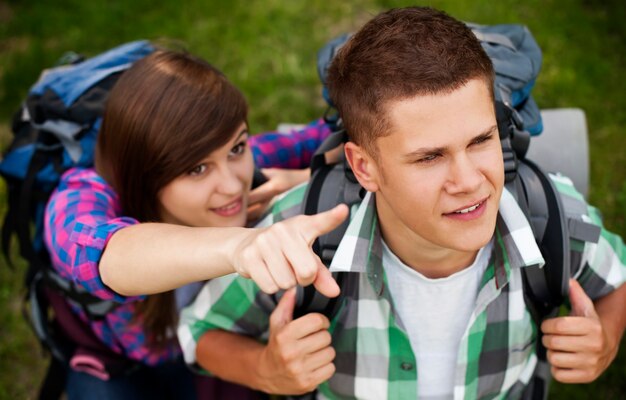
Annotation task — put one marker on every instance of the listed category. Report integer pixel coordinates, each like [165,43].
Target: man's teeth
[468,209]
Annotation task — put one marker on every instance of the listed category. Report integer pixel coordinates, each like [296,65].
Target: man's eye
[428,158]
[483,139]
[198,170]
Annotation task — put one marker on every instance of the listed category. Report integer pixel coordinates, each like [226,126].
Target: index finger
[308,324]
[569,326]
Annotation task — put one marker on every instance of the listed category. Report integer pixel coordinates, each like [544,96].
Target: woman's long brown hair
[163,116]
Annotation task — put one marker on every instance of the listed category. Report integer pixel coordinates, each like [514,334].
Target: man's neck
[427,258]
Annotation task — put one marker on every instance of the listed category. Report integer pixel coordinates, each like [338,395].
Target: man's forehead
[454,106]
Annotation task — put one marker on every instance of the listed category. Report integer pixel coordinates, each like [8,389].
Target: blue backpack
[55,129]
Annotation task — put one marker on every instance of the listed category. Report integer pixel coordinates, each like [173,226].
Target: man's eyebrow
[426,151]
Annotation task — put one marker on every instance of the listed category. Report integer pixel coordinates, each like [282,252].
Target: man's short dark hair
[397,55]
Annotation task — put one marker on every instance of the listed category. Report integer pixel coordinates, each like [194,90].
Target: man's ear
[363,165]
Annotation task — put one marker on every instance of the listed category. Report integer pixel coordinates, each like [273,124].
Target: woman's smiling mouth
[229,209]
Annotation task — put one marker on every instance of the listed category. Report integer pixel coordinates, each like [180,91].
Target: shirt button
[406,366]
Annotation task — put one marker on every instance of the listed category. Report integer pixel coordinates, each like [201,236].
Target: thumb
[322,223]
[582,306]
[325,283]
[283,313]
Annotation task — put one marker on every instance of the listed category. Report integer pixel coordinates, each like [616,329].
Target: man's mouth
[469,212]
[469,209]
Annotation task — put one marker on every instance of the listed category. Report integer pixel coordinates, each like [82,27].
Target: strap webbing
[54,382]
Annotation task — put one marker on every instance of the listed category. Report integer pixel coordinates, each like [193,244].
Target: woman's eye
[198,170]
[239,148]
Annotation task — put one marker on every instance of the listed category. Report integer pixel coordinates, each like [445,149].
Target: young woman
[165,206]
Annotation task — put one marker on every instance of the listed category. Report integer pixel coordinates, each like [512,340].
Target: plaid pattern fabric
[84,212]
[292,150]
[374,357]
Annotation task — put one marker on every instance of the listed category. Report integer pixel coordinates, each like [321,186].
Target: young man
[433,303]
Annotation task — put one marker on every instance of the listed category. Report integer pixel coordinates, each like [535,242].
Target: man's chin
[473,240]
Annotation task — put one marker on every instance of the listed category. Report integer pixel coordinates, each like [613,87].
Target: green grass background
[268,49]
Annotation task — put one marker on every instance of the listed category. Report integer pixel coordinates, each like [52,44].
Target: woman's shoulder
[81,177]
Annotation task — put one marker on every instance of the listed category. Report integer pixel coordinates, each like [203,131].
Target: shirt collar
[360,250]
[517,235]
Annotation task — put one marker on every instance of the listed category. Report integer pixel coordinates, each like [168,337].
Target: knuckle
[248,256]
[560,324]
[262,240]
[287,357]
[307,272]
[596,329]
[304,385]
[311,385]
[557,377]
[551,357]
[270,289]
[295,369]
[279,229]
[596,346]
[330,371]
[327,339]
[318,320]
[281,337]
[592,368]
[285,282]
[586,377]
[332,353]
[305,276]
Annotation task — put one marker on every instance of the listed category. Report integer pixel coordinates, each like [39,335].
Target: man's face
[439,173]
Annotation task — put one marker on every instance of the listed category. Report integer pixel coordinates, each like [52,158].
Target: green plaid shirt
[374,356]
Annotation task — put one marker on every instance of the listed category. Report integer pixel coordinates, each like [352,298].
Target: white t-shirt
[435,314]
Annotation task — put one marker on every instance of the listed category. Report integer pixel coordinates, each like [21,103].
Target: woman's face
[214,192]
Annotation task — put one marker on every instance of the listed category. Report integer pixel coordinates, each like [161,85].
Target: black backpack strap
[548,286]
[93,306]
[334,140]
[554,225]
[28,198]
[258,178]
[36,308]
[330,184]
[513,139]
[55,380]
[544,288]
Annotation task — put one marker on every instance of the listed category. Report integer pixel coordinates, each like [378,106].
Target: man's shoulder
[565,186]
